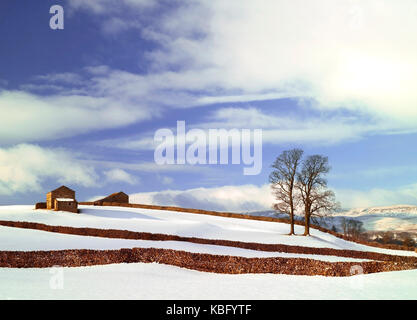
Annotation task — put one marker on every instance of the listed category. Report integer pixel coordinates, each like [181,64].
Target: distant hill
[409,209]
[399,218]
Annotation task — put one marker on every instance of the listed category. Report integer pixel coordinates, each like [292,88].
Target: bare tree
[283,180]
[388,237]
[408,241]
[353,228]
[344,225]
[356,228]
[312,186]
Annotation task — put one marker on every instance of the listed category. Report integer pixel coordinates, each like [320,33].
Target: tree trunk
[291,216]
[307,225]
[292,223]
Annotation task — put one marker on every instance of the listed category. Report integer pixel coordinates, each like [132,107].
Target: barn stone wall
[40,205]
[70,206]
[62,192]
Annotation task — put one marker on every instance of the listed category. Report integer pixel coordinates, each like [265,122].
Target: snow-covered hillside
[157,281]
[184,224]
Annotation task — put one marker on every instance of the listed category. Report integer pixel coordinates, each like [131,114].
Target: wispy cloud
[241,198]
[150,167]
[276,129]
[119,175]
[103,7]
[227,198]
[27,117]
[339,61]
[65,77]
[26,167]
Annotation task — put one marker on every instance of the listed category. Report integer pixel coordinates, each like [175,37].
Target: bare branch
[312,186]
[283,180]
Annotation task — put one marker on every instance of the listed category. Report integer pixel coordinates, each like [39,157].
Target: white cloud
[143,142]
[116,25]
[227,198]
[152,167]
[166,180]
[323,129]
[377,196]
[119,175]
[24,167]
[33,88]
[103,7]
[26,117]
[65,77]
[269,45]
[244,198]
[275,45]
[351,55]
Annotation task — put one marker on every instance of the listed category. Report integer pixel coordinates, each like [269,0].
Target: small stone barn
[62,199]
[118,197]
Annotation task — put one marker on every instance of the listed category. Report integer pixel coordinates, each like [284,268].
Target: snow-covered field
[155,281]
[184,224]
[15,239]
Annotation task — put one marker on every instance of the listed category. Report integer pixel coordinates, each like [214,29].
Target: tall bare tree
[283,180]
[312,187]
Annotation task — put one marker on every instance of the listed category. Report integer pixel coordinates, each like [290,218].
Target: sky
[80,105]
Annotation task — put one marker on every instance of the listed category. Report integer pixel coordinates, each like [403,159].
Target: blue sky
[80,106]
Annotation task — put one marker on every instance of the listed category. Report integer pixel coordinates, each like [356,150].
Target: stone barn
[118,197]
[62,199]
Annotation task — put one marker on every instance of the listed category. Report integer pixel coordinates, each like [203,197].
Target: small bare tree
[283,180]
[408,241]
[312,187]
[344,225]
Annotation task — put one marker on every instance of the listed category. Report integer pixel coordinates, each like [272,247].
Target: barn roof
[116,193]
[63,188]
[112,195]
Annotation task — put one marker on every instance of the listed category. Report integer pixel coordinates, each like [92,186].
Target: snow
[400,218]
[16,239]
[385,209]
[184,224]
[157,281]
